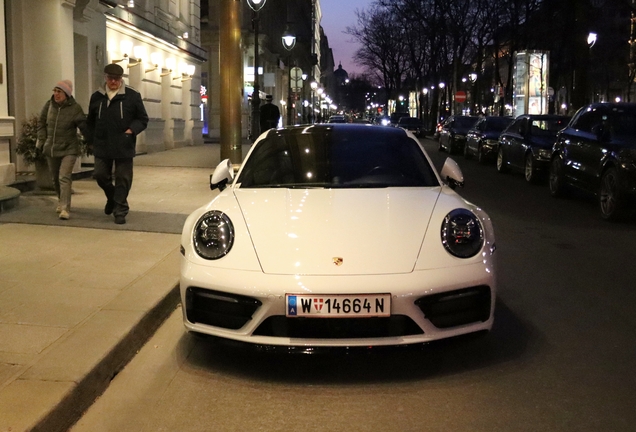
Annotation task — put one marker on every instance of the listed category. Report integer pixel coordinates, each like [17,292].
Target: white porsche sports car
[337,235]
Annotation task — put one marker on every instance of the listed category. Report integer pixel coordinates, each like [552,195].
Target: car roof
[543,116]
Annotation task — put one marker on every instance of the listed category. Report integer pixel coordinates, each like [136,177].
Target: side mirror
[452,174]
[222,175]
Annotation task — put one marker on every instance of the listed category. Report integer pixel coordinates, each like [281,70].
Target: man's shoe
[110,206]
[64,215]
[120,220]
[58,209]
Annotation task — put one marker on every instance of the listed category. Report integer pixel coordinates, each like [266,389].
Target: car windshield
[337,156]
[497,123]
[464,122]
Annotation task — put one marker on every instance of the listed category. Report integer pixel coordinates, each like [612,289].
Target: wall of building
[7,122]
[157,43]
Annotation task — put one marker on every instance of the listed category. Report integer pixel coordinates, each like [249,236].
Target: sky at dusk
[337,15]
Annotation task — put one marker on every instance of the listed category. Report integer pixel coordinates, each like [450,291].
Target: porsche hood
[337,231]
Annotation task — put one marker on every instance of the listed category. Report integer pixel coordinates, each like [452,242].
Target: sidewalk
[79,298]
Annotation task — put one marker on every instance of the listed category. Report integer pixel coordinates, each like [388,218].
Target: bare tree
[383,51]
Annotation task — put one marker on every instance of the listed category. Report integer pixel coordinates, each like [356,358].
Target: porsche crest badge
[337,261]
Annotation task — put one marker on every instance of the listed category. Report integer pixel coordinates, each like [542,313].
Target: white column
[7,125]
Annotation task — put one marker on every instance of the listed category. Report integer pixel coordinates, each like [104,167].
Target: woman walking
[59,120]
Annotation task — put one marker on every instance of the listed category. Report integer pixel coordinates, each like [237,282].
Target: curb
[73,405]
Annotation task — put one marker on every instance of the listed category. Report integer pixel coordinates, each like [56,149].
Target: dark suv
[596,152]
[526,145]
[412,124]
[452,137]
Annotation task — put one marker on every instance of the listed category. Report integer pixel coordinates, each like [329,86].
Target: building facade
[157,42]
[275,63]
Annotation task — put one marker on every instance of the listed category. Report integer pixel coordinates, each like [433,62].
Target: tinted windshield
[341,156]
[497,123]
[465,122]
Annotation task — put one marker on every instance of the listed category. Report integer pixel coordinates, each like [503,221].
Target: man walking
[269,114]
[116,115]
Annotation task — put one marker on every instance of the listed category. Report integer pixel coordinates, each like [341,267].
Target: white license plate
[334,306]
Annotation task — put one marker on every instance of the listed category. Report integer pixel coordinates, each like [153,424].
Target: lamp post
[289,40]
[425,108]
[303,94]
[255,130]
[472,77]
[441,90]
[314,86]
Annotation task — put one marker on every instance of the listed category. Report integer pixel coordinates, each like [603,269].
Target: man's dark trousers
[116,193]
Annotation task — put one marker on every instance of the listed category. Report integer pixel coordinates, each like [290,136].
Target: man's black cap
[113,69]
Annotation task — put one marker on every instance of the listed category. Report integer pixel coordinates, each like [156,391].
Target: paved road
[561,356]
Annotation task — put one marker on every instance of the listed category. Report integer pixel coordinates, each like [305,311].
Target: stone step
[9,198]
[10,195]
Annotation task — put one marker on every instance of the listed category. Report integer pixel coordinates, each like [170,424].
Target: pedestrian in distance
[116,115]
[269,114]
[58,123]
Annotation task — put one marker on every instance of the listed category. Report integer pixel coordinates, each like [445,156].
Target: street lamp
[314,86]
[289,40]
[441,89]
[472,77]
[303,95]
[425,120]
[256,6]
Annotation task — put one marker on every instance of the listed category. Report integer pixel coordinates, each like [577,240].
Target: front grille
[219,309]
[456,308]
[338,328]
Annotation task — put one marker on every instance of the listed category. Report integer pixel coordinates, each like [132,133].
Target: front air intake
[219,309]
[455,308]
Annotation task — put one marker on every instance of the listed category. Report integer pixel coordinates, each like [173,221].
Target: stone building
[302,18]
[156,41]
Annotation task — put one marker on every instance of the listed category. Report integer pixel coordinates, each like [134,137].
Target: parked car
[482,140]
[596,152]
[452,137]
[361,121]
[526,145]
[412,124]
[337,119]
[300,248]
[396,116]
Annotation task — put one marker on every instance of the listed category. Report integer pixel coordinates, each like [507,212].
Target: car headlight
[213,235]
[462,233]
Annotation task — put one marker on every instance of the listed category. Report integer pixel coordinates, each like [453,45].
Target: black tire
[556,181]
[502,166]
[530,169]
[610,196]
[451,146]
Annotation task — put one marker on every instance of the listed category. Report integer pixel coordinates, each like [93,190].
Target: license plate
[335,306]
